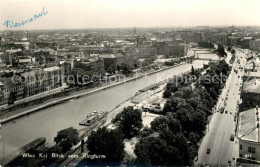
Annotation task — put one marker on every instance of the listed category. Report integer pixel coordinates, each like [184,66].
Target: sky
[70,14]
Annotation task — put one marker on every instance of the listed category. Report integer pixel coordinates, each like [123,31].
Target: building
[109,62]
[97,65]
[31,83]
[91,66]
[2,99]
[244,42]
[196,37]
[120,59]
[248,134]
[52,45]
[24,45]
[250,94]
[232,41]
[146,52]
[67,66]
[206,36]
[221,38]
[25,60]
[172,50]
[254,44]
[132,58]
[183,50]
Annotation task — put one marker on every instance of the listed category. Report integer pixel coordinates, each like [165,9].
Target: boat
[91,118]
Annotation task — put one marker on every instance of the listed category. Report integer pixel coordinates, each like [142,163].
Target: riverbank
[11,116]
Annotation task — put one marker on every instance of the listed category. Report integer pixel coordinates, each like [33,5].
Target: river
[47,122]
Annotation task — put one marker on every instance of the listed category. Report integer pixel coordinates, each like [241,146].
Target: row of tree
[184,122]
[178,131]
[205,44]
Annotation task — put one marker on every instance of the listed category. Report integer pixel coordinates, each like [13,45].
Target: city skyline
[129,13]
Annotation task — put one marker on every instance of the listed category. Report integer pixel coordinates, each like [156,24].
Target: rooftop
[252,86]
[51,68]
[247,128]
[106,56]
[254,74]
[118,55]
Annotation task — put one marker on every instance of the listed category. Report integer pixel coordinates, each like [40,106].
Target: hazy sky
[129,13]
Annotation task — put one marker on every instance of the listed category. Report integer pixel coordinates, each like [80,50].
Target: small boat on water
[91,118]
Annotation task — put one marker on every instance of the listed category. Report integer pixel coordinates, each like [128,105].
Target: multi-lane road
[216,147]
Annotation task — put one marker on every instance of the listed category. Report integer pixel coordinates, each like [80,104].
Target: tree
[11,98]
[67,138]
[174,104]
[146,132]
[205,44]
[159,123]
[174,125]
[171,87]
[129,121]
[233,51]
[106,142]
[167,150]
[126,68]
[167,93]
[221,50]
[178,141]
[192,70]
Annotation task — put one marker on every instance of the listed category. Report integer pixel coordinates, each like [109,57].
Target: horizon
[142,28]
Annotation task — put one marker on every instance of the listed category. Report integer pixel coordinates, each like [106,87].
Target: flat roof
[247,127]
[51,68]
[104,56]
[252,86]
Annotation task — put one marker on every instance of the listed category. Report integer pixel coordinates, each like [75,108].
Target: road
[222,125]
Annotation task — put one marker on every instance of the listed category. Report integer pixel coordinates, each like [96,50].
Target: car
[208,151]
[232,137]
[222,110]
[226,112]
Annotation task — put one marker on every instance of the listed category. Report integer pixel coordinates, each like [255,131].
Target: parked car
[221,109]
[232,137]
[208,151]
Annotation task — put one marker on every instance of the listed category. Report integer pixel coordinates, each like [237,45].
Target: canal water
[47,122]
